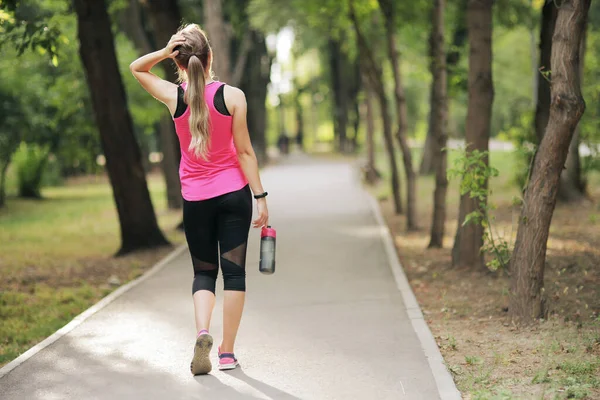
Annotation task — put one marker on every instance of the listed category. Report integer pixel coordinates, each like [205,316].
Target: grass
[466,310]
[56,257]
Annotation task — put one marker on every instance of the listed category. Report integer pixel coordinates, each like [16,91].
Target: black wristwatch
[260,196]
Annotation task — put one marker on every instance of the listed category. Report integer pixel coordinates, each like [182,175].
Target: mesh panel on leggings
[236,256]
[200,265]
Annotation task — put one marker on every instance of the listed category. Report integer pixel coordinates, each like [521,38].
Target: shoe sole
[201,364]
[225,367]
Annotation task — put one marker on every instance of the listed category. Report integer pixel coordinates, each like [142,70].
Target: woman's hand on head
[263,213]
[176,40]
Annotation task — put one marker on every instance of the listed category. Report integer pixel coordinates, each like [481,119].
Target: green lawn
[56,258]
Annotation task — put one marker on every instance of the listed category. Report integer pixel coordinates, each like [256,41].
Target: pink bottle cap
[268,231]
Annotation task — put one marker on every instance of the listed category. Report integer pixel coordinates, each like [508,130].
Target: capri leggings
[217,228]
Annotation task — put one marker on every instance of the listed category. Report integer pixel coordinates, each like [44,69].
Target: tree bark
[3,182]
[388,8]
[427,166]
[354,105]
[469,238]
[131,23]
[219,36]
[542,109]
[527,301]
[139,227]
[299,110]
[572,186]
[165,18]
[438,126]
[452,59]
[254,82]
[340,95]
[371,173]
[374,74]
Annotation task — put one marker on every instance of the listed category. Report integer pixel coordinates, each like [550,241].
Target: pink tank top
[221,174]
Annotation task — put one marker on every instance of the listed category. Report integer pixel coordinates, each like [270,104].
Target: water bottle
[267,250]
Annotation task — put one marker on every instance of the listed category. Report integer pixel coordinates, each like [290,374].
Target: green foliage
[53,95]
[26,26]
[10,120]
[523,136]
[30,161]
[472,168]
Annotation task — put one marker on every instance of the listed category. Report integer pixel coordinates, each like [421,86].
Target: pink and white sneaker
[227,361]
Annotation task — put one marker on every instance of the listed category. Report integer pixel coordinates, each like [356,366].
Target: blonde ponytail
[199,114]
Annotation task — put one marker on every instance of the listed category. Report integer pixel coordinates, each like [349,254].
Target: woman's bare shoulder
[234,98]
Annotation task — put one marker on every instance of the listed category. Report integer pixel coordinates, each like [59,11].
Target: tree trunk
[139,228]
[219,36]
[527,301]
[438,126]
[3,182]
[254,82]
[353,104]
[372,70]
[371,173]
[165,18]
[130,22]
[389,147]
[572,187]
[427,166]
[429,148]
[388,9]
[469,238]
[337,67]
[542,109]
[299,121]
[170,162]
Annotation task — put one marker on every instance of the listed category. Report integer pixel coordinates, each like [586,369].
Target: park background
[319,78]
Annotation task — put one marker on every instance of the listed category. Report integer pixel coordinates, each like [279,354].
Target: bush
[30,161]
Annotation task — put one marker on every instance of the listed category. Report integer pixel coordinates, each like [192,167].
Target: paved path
[329,324]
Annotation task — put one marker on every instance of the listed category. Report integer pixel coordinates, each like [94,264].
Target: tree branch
[240,62]
[369,64]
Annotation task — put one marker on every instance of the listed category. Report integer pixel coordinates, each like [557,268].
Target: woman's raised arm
[160,89]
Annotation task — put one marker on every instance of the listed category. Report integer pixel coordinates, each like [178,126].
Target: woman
[217,171]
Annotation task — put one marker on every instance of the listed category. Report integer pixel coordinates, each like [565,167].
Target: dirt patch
[467,311]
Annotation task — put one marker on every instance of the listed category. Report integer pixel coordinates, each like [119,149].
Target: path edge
[443,379]
[75,322]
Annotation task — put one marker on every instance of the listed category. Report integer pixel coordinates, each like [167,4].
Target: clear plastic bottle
[267,250]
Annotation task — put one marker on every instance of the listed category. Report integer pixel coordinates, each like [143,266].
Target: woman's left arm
[160,89]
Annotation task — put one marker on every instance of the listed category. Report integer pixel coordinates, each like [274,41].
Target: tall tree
[164,16]
[165,20]
[459,37]
[139,228]
[469,238]
[388,7]
[542,109]
[217,30]
[372,70]
[254,82]
[438,123]
[11,123]
[566,108]
[371,173]
[338,65]
[572,185]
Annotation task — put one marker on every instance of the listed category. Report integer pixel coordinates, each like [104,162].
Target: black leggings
[219,227]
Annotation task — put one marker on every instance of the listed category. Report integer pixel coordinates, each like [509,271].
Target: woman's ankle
[226,348]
